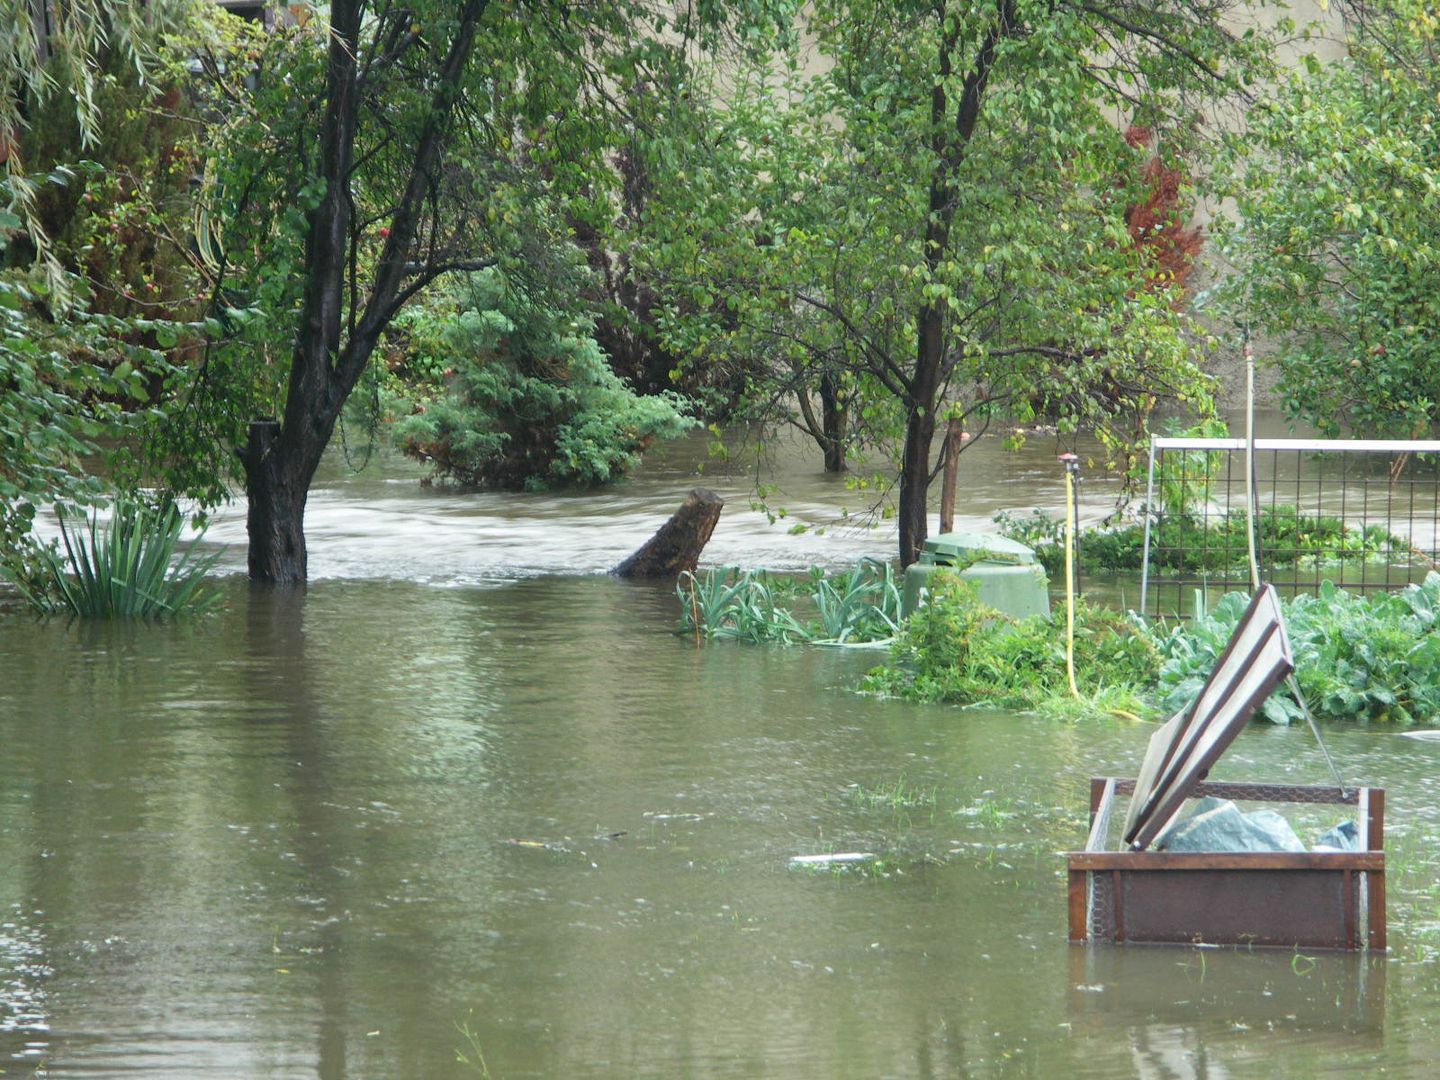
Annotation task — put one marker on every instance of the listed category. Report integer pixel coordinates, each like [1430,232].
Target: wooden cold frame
[1313,900]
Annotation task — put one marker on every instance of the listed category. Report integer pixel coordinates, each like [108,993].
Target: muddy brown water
[464,795]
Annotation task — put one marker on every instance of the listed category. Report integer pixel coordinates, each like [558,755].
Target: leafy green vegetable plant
[862,604]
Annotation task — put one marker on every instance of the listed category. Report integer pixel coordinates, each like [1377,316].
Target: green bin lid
[965,546]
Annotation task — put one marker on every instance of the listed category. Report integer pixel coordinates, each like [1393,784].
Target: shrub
[957,649]
[529,400]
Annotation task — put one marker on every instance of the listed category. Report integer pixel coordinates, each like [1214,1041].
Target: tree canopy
[935,210]
[1335,248]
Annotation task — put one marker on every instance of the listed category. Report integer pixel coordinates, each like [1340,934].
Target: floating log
[677,546]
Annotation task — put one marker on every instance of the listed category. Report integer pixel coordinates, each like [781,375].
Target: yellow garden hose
[1071,463]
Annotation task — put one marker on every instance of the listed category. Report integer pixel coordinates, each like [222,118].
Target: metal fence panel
[1364,513]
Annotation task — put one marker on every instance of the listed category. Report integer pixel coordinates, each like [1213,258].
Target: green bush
[124,569]
[528,399]
[956,649]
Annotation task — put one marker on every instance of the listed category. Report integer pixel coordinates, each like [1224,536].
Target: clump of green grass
[125,568]
[898,794]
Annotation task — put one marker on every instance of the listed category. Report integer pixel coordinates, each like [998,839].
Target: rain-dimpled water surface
[465,799]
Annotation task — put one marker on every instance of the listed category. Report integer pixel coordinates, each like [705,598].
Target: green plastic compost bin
[1004,572]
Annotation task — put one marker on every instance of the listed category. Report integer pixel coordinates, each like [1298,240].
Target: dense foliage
[528,400]
[936,217]
[957,649]
[1336,249]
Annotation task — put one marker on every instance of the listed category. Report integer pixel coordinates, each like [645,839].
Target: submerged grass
[125,568]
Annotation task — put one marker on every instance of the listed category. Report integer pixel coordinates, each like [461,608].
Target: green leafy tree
[93,138]
[393,146]
[1336,243]
[932,221]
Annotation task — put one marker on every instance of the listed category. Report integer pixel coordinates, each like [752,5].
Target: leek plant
[125,568]
[729,604]
[860,605]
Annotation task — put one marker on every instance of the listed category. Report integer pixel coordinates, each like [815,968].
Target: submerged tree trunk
[920,434]
[835,418]
[676,547]
[336,336]
[275,518]
[954,437]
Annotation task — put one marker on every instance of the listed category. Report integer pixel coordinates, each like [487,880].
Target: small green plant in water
[899,794]
[858,605]
[125,568]
[959,650]
[471,1055]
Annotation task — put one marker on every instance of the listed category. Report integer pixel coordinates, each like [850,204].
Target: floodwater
[465,796]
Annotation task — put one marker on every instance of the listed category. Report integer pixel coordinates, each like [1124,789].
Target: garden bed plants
[1359,657]
[1184,542]
[1368,658]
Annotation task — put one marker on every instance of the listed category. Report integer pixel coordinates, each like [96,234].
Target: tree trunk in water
[951,450]
[275,520]
[915,484]
[833,417]
[677,546]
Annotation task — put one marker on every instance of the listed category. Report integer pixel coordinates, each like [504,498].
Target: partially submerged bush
[959,650]
[528,399]
[123,569]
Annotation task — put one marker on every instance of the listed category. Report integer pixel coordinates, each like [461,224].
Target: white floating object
[837,857]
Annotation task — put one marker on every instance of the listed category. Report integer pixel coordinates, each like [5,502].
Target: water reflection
[311,835]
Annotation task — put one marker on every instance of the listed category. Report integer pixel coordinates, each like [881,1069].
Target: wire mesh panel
[1364,514]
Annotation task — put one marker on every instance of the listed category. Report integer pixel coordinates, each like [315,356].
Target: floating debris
[840,857]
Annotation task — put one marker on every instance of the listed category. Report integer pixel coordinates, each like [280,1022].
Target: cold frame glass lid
[1256,659]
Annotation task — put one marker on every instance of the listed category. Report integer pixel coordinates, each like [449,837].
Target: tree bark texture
[276,512]
[677,546]
[948,142]
[326,361]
